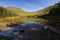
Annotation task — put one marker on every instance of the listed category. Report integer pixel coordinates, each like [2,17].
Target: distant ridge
[54,13]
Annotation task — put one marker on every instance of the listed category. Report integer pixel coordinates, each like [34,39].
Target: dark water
[30,31]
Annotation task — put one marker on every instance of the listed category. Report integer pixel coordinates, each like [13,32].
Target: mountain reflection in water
[29,31]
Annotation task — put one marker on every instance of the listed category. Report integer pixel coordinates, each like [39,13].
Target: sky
[28,5]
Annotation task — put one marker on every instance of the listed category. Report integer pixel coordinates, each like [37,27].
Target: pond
[29,31]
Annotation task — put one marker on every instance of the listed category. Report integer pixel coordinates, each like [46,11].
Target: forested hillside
[6,13]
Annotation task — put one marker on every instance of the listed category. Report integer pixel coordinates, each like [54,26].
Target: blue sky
[28,5]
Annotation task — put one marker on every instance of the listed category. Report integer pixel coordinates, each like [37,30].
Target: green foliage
[6,13]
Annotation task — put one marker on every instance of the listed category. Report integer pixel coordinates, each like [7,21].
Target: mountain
[44,11]
[21,12]
[6,13]
[50,13]
[53,16]
[15,9]
[15,14]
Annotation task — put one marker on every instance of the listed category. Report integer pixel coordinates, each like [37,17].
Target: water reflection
[29,31]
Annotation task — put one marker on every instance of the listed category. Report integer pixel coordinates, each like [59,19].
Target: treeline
[6,13]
